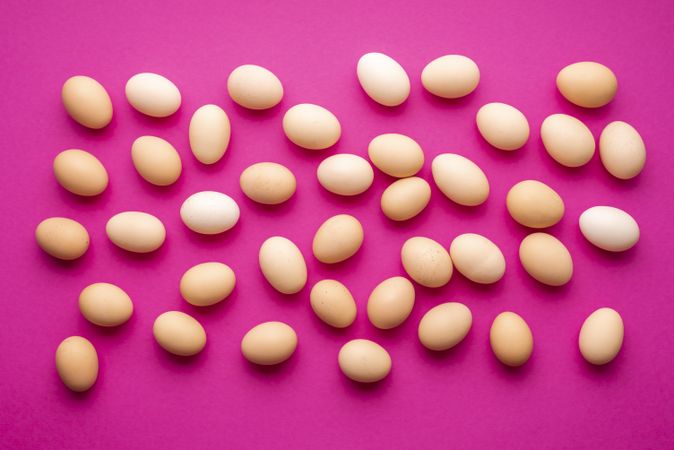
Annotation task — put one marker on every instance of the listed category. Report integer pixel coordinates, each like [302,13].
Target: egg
[609,228]
[460,179]
[587,84]
[209,212]
[268,183]
[152,94]
[207,283]
[444,326]
[477,258]
[426,262]
[396,155]
[383,79]
[503,126]
[156,160]
[568,140]
[209,133]
[345,174]
[283,265]
[511,339]
[534,204]
[338,239]
[451,76]
[405,198]
[87,102]
[105,304]
[179,333]
[390,303]
[254,87]
[622,151]
[333,303]
[546,259]
[136,231]
[62,238]
[80,172]
[364,361]
[311,126]
[601,336]
[269,343]
[77,363]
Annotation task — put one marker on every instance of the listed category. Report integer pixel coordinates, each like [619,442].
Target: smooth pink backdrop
[464,398]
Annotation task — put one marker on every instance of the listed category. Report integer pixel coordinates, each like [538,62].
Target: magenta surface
[463,398]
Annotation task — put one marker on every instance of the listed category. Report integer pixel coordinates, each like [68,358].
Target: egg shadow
[180,364]
[447,358]
[448,104]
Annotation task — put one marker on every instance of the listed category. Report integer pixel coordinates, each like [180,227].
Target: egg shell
[156,160]
[254,87]
[426,261]
[601,336]
[283,265]
[269,343]
[136,231]
[405,198]
[209,212]
[179,333]
[383,79]
[207,283]
[477,258]
[622,151]
[311,126]
[268,183]
[209,133]
[80,172]
[77,363]
[511,339]
[153,94]
[396,155]
[568,140]
[451,76]
[460,179]
[503,126]
[345,174]
[338,239]
[587,84]
[333,303]
[62,238]
[534,204]
[87,102]
[609,228]
[546,259]
[364,361]
[105,304]
[390,303]
[444,326]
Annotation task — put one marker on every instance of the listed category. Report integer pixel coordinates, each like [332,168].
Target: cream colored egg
[268,183]
[383,79]
[444,326]
[609,228]
[396,155]
[601,336]
[345,174]
[283,265]
[503,126]
[546,259]
[269,343]
[338,239]
[87,102]
[568,140]
[105,304]
[311,126]
[62,238]
[622,151]
[156,160]
[460,179]
[333,303]
[207,283]
[77,363]
[451,76]
[364,361]
[587,84]
[209,133]
[153,94]
[136,231]
[426,262]
[405,198]
[254,87]
[209,212]
[534,204]
[477,258]
[80,172]
[179,333]
[390,303]
[511,339]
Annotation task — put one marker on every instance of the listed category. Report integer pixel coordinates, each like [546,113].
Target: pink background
[464,398]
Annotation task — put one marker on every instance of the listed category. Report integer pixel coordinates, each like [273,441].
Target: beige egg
[311,126]
[269,343]
[383,79]
[364,361]
[62,238]
[345,174]
[338,239]
[80,172]
[460,179]
[477,258]
[609,228]
[283,265]
[396,155]
[179,333]
[87,102]
[444,326]
[546,259]
[534,204]
[405,198]
[511,339]
[333,303]
[503,126]
[601,336]
[254,87]
[268,183]
[136,231]
[105,304]
[587,84]
[568,140]
[207,283]
[209,133]
[77,363]
[426,262]
[156,160]
[622,151]
[390,303]
[451,76]
[152,94]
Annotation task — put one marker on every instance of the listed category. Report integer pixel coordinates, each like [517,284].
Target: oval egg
[80,172]
[426,262]
[345,174]
[62,238]
[136,231]
[601,336]
[444,326]
[460,179]
[390,303]
[269,343]
[311,126]
[77,363]
[333,303]
[396,155]
[622,151]
[383,79]
[209,133]
[254,87]
[534,204]
[207,283]
[609,228]
[568,140]
[502,126]
[156,160]
[477,258]
[587,84]
[152,94]
[209,212]
[283,265]
[87,102]
[364,361]
[268,183]
[105,304]
[179,333]
[451,76]
[405,198]
[511,339]
[338,239]
[546,259]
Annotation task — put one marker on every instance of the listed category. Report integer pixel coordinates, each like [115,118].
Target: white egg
[209,212]
[152,94]
[383,79]
[609,228]
[345,174]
